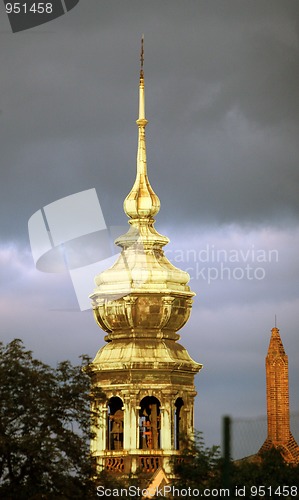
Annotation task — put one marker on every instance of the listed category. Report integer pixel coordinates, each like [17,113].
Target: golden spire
[142,295]
[142,202]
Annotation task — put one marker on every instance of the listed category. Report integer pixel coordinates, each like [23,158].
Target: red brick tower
[278,411]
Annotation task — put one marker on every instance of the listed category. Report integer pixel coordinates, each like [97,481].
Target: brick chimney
[278,409]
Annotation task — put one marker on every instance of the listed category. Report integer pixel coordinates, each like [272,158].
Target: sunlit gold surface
[141,303]
[142,294]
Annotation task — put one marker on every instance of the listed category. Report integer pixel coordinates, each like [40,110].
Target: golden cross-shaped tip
[142,54]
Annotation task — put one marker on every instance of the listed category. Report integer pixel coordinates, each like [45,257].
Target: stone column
[99,442]
[127,423]
[166,426]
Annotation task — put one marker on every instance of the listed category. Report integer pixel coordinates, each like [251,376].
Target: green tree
[199,466]
[44,428]
[266,476]
[268,471]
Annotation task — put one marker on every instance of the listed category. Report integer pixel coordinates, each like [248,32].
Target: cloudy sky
[222,98]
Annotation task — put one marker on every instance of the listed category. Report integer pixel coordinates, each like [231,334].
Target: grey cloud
[69,99]
[221,98]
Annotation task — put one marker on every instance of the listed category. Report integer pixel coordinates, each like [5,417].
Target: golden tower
[146,375]
[278,411]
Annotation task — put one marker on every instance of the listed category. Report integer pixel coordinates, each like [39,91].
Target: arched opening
[115,424]
[149,423]
[178,428]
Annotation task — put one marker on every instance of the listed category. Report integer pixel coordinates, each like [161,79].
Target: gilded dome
[142,294]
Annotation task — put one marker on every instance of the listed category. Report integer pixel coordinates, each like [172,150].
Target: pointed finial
[142,56]
[275,322]
[141,117]
[142,201]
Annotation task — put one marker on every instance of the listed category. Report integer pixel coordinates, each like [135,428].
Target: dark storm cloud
[221,89]
[222,103]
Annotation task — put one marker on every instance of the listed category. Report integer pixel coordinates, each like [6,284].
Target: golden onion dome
[142,293]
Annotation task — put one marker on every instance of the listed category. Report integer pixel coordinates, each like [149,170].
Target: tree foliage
[203,468]
[199,465]
[269,471]
[44,428]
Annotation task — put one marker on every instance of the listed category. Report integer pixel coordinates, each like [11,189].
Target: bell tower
[146,375]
